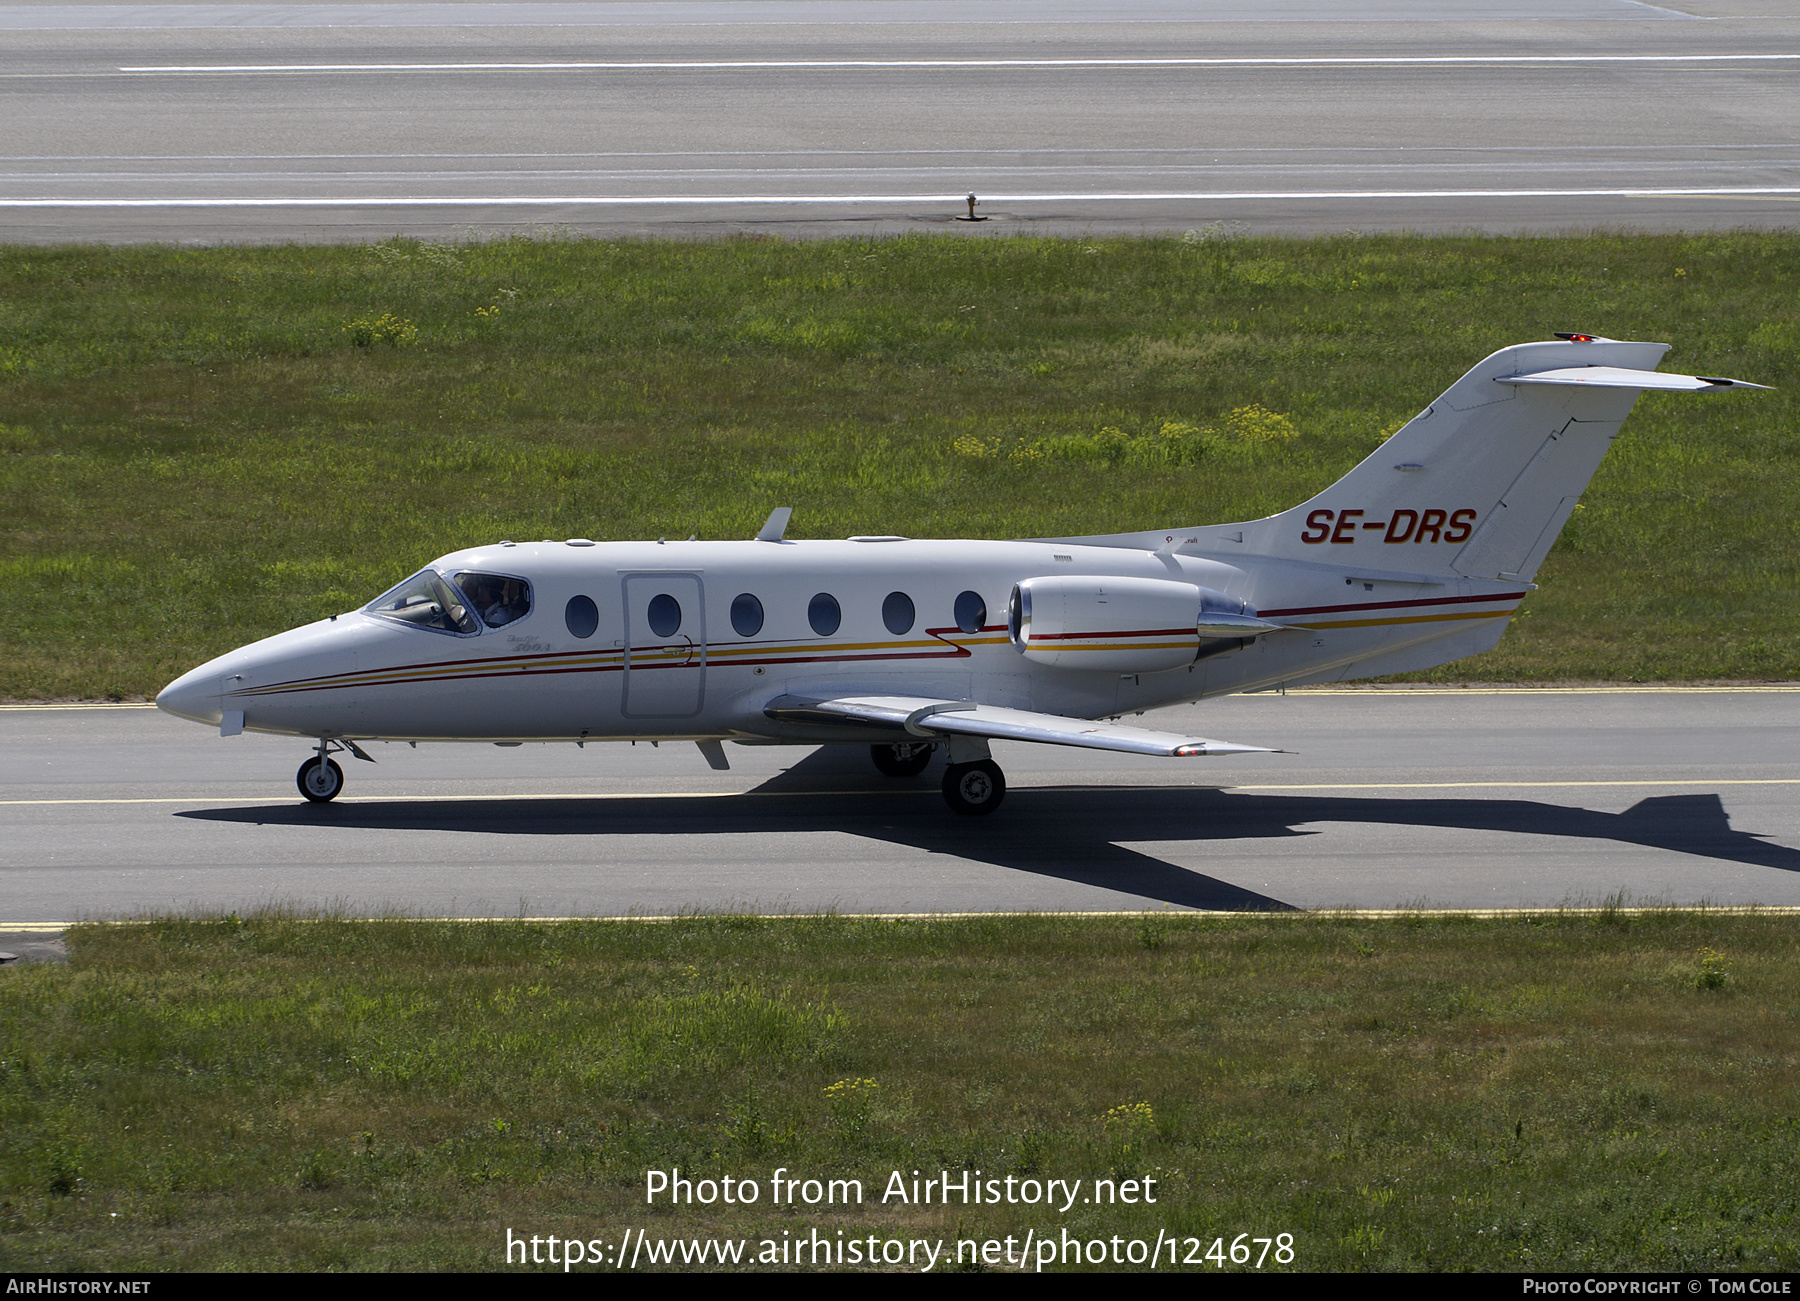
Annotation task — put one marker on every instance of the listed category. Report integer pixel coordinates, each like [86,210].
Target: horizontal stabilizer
[934,719]
[1623,377]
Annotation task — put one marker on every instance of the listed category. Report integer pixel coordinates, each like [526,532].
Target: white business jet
[1417,557]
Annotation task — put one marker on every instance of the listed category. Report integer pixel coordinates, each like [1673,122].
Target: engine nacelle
[1126,625]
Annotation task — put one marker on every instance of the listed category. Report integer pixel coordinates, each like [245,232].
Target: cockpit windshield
[426,601]
[497,598]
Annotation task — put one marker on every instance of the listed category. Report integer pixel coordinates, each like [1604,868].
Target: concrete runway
[1466,799]
[203,123]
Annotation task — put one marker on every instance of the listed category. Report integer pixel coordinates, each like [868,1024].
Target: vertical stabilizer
[1480,483]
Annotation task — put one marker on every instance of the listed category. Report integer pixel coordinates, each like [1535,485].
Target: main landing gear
[972,788]
[319,778]
[902,760]
[973,783]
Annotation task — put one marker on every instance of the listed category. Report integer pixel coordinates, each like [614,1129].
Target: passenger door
[665,646]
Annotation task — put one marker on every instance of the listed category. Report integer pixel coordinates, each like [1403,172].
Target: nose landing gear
[319,778]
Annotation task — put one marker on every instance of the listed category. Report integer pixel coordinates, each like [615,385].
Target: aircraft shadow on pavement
[1068,833]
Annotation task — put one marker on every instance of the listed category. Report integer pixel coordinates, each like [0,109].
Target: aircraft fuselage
[364,675]
[1416,557]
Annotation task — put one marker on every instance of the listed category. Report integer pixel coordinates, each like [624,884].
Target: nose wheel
[320,779]
[974,788]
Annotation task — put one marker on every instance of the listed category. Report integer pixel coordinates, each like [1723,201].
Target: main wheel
[320,780]
[902,760]
[972,788]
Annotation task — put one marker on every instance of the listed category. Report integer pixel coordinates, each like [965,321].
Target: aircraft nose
[193,695]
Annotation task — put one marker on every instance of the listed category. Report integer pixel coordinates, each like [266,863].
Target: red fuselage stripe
[1134,632]
[1388,605]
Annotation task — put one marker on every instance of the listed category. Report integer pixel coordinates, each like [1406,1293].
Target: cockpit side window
[426,601]
[498,598]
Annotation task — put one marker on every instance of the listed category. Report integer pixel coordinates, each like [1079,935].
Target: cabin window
[426,601]
[897,613]
[498,598]
[823,614]
[746,615]
[971,612]
[582,616]
[665,615]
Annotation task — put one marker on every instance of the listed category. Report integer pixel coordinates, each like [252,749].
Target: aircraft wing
[926,719]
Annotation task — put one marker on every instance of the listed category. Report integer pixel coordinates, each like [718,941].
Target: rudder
[1476,486]
[1480,483]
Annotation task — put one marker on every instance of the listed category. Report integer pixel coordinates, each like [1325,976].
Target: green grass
[1562,1091]
[198,447]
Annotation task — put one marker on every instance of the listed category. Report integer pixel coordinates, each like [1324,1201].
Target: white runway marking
[1506,153]
[792,200]
[791,65]
[818,13]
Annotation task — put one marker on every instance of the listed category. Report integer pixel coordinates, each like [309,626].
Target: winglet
[776,525]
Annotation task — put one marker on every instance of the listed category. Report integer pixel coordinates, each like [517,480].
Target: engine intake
[1126,625]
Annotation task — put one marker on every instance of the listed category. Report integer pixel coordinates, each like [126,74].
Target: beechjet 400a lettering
[1416,557]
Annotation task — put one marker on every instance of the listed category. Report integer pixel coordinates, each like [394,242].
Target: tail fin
[1480,483]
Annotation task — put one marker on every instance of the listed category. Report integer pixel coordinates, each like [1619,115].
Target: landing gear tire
[974,788]
[320,780]
[902,760]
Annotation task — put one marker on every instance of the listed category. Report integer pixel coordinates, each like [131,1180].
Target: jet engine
[1126,625]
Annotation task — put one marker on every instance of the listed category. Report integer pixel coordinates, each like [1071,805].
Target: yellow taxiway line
[886,790]
[1396,689]
[1349,914]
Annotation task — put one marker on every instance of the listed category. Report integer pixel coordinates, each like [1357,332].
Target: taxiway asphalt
[203,123]
[1460,799]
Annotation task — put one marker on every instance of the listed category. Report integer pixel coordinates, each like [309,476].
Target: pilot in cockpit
[497,599]
[503,601]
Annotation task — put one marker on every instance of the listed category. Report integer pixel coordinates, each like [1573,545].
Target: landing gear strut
[903,760]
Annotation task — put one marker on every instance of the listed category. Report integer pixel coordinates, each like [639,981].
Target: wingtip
[1210,749]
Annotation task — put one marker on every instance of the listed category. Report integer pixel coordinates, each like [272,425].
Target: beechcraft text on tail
[1417,557]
